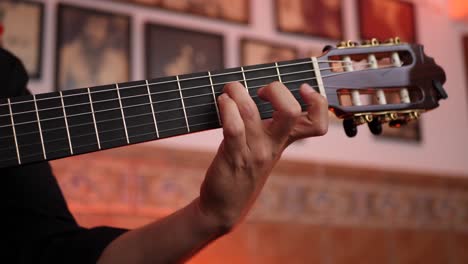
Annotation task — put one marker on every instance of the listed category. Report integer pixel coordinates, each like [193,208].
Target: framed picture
[173,51]
[320,18]
[255,51]
[397,20]
[23,21]
[227,10]
[93,47]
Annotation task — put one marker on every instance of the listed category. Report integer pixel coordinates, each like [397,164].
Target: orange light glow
[458,9]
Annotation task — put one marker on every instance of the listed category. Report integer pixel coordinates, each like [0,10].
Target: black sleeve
[37,224]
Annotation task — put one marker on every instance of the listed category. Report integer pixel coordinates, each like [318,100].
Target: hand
[251,147]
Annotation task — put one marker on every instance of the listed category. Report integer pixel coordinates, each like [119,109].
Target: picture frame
[315,18]
[256,51]
[93,47]
[23,36]
[235,11]
[183,51]
[398,20]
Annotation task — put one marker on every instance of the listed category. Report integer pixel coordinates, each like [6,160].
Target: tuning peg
[375,126]
[350,127]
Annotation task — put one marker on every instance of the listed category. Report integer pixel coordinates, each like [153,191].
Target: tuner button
[349,127]
[397,123]
[440,89]
[375,126]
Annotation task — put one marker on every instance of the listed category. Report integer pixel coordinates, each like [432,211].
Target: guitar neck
[61,124]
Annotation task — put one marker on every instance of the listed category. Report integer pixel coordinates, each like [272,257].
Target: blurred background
[398,198]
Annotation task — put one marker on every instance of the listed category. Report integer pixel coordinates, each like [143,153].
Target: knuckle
[321,129]
[233,131]
[262,157]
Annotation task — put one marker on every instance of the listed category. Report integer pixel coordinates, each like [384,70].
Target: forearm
[172,239]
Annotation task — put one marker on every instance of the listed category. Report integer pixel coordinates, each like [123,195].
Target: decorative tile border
[124,184]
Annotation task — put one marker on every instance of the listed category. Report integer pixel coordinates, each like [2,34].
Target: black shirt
[36,225]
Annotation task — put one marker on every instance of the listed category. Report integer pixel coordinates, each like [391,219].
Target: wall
[444,147]
[332,200]
[307,213]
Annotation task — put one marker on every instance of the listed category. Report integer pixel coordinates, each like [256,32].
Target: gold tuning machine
[393,41]
[413,116]
[347,44]
[371,42]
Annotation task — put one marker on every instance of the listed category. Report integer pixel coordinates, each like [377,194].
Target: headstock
[376,83]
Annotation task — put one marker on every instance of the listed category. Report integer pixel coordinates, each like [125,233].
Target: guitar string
[144,134]
[163,121]
[170,110]
[116,119]
[144,104]
[119,139]
[194,78]
[146,94]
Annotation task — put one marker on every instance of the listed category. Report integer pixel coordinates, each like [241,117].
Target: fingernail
[309,88]
[223,96]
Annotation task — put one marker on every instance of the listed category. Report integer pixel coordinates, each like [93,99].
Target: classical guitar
[367,83]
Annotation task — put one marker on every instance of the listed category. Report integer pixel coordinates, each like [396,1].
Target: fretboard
[60,124]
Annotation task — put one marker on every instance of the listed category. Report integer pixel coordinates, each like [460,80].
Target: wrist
[211,220]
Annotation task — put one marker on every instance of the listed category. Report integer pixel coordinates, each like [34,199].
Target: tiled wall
[307,213]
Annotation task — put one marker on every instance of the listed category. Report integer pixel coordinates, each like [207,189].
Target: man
[39,228]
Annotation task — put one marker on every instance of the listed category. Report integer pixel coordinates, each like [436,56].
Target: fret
[199,101]
[52,125]
[122,112]
[66,123]
[318,76]
[245,80]
[94,119]
[110,122]
[183,104]
[259,76]
[152,109]
[168,107]
[138,111]
[27,129]
[14,132]
[221,77]
[81,122]
[278,72]
[292,71]
[40,128]
[215,98]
